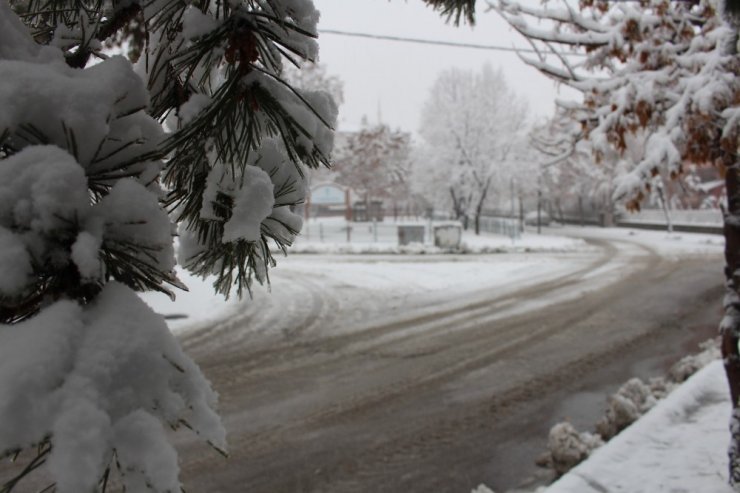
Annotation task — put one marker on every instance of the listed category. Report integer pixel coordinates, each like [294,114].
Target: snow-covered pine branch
[102,163]
[94,190]
[455,10]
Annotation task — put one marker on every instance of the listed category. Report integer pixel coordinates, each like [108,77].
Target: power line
[426,41]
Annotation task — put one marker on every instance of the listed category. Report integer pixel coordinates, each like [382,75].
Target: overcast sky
[394,78]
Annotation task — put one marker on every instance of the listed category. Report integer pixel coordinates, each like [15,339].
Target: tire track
[507,340]
[288,356]
[430,436]
[466,355]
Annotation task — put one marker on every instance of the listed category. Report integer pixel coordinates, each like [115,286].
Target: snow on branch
[96,383]
[585,37]
[103,164]
[656,85]
[567,14]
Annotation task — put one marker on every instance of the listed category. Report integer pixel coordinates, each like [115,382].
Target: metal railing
[501,225]
[329,231]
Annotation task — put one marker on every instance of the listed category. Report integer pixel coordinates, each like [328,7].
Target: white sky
[396,77]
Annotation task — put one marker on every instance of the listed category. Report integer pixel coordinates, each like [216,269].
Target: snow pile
[688,365]
[567,448]
[631,401]
[680,445]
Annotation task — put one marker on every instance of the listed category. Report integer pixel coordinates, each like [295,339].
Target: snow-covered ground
[667,244]
[679,446]
[420,269]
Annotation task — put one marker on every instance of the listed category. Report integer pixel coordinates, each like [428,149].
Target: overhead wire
[426,41]
[437,42]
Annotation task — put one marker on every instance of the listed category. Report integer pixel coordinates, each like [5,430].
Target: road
[449,392]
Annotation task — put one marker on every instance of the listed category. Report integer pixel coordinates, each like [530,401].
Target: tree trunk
[476,219]
[539,211]
[458,207]
[664,205]
[559,208]
[479,207]
[730,326]
[521,214]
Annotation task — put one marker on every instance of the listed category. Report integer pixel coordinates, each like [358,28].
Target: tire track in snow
[504,341]
[430,436]
[289,356]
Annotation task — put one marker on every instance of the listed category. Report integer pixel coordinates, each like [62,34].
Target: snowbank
[680,445]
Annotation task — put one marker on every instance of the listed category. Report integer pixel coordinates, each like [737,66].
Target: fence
[704,217]
[501,226]
[698,221]
[336,230]
[341,231]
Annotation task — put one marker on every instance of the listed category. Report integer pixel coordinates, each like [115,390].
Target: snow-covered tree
[312,76]
[374,162]
[572,177]
[654,81]
[472,126]
[102,162]
[660,92]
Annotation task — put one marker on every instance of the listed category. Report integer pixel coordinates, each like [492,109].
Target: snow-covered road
[395,373]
